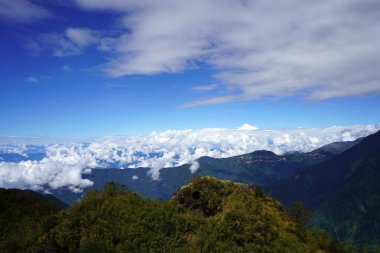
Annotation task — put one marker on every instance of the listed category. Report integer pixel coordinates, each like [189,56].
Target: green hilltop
[207,215]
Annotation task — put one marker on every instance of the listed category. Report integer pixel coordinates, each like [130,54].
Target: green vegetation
[208,215]
[24,217]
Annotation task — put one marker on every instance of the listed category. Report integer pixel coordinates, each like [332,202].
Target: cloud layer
[65,164]
[257,49]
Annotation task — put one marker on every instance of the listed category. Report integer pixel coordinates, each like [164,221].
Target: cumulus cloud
[257,49]
[65,164]
[22,11]
[18,149]
[63,167]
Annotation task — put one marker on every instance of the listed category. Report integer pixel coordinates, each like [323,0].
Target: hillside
[207,215]
[24,216]
[336,148]
[259,167]
[343,191]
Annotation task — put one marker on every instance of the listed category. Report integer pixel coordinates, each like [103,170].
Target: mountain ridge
[259,167]
[343,191]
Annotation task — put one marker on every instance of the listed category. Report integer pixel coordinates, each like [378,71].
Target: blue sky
[92,68]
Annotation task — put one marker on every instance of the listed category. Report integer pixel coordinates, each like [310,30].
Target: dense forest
[207,215]
[24,217]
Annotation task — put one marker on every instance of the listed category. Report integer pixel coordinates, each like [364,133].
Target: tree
[298,213]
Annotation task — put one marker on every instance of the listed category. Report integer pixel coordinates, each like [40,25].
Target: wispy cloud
[54,44]
[81,36]
[73,41]
[257,49]
[32,79]
[206,87]
[22,11]
[67,68]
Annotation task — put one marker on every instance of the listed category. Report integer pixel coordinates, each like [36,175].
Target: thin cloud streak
[21,11]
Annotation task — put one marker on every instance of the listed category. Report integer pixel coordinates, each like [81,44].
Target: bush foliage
[208,215]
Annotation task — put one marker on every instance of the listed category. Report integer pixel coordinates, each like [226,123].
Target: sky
[92,68]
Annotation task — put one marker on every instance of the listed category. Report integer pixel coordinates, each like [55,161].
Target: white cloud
[194,167]
[64,164]
[22,11]
[134,177]
[14,149]
[257,48]
[32,79]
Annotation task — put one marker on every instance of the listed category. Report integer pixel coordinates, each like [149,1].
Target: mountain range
[338,182]
[343,191]
[261,168]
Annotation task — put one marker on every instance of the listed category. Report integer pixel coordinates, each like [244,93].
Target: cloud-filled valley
[64,164]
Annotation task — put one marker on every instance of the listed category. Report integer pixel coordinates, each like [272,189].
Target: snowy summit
[247,127]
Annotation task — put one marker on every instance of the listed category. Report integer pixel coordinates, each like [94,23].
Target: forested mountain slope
[344,191]
[24,216]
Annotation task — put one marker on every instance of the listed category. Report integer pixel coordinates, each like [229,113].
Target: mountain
[260,168]
[344,192]
[207,215]
[336,148]
[25,215]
